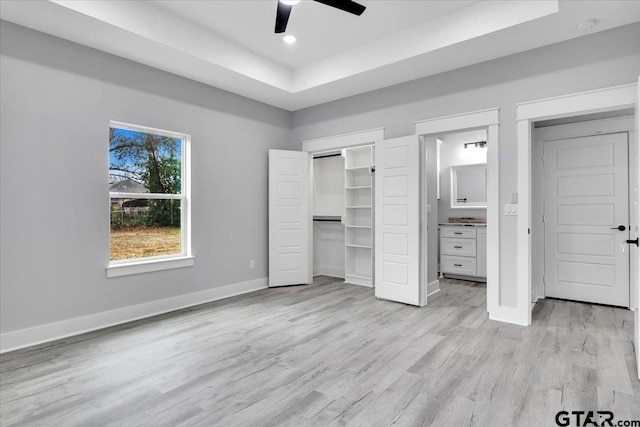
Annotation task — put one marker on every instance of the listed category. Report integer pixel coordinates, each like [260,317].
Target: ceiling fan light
[289,39]
[290,2]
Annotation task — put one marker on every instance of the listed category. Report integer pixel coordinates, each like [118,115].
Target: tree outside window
[146,192]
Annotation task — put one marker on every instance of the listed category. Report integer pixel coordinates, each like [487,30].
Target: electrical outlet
[252,264]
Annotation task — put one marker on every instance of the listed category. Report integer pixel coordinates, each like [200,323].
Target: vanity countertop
[462,224]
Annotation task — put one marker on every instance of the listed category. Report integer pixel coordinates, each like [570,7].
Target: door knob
[620,227]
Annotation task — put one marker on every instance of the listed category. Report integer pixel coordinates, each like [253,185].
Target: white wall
[328,248]
[453,153]
[328,200]
[57,100]
[328,186]
[599,60]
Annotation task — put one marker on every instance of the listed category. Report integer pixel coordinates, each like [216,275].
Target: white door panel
[634,156]
[397,228]
[586,197]
[289,218]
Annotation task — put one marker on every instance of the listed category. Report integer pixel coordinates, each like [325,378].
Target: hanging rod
[327,155]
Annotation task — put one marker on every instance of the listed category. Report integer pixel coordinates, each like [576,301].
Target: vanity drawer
[458,265]
[459,247]
[458,232]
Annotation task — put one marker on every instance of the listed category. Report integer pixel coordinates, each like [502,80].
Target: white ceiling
[321,31]
[230,44]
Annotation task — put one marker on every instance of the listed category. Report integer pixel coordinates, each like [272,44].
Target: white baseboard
[433,287]
[321,270]
[15,340]
[508,315]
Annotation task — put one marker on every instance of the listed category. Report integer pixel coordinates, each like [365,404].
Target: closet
[343,218]
[356,215]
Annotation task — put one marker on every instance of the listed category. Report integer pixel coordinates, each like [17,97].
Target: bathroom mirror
[469,186]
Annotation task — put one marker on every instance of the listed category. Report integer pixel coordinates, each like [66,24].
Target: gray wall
[57,100]
[595,61]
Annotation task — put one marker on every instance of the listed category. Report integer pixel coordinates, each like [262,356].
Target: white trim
[489,119]
[509,315]
[592,101]
[158,196]
[15,340]
[185,203]
[433,288]
[523,221]
[424,222]
[160,263]
[592,127]
[360,281]
[605,99]
[146,129]
[344,140]
[493,218]
[324,270]
[454,122]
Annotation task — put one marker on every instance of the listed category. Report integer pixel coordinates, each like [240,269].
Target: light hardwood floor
[330,354]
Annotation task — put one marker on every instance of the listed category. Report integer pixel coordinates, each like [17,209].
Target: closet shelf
[359,215]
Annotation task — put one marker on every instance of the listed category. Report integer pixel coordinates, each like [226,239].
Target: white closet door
[289,218]
[636,214]
[397,220]
[586,199]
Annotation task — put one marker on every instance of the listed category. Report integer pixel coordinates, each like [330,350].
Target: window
[148,198]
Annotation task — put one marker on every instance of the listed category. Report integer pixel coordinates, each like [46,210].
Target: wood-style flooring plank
[331,354]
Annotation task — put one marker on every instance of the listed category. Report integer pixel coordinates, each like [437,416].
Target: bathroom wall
[453,153]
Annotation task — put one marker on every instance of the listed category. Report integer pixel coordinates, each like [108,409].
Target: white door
[586,199]
[397,220]
[289,218]
[635,252]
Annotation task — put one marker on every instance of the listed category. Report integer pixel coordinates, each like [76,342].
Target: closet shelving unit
[358,218]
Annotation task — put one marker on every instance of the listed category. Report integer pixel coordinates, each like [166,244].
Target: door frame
[490,120]
[594,101]
[622,124]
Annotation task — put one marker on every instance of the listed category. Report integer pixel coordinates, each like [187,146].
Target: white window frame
[129,266]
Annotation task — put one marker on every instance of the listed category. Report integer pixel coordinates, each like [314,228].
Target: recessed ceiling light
[289,39]
[290,2]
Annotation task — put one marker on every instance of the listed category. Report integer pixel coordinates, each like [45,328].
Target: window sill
[147,266]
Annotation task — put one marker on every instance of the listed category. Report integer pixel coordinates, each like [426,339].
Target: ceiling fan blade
[282,17]
[346,5]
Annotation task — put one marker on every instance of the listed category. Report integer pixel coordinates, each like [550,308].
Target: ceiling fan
[285,6]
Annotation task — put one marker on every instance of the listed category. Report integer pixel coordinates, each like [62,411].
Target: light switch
[511,209]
